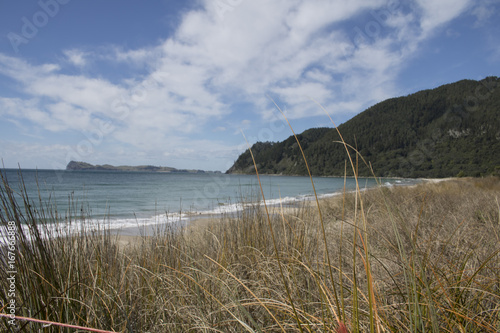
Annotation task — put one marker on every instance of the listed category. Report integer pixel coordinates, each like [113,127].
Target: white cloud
[290,49]
[25,154]
[20,70]
[484,10]
[44,81]
[17,109]
[301,97]
[436,13]
[254,58]
[76,57]
[54,117]
[96,95]
[296,45]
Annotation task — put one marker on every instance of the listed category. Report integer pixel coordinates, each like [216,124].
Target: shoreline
[134,236]
[147,227]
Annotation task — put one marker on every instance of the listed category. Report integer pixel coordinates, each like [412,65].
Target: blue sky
[174,83]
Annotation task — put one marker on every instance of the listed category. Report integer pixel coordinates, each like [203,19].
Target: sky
[183,83]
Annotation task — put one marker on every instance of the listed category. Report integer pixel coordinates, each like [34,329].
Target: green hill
[452,130]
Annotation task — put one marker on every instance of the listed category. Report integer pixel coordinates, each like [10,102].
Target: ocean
[131,199]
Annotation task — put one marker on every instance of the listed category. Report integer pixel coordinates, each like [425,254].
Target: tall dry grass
[399,259]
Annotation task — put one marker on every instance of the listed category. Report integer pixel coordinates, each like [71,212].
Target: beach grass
[423,258]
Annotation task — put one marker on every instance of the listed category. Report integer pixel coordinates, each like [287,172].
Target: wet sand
[135,236]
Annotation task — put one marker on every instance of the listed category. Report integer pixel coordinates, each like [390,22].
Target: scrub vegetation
[412,259]
[390,259]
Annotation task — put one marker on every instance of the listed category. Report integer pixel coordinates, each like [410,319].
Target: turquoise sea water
[129,199]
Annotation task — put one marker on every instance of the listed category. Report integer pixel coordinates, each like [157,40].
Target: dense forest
[449,131]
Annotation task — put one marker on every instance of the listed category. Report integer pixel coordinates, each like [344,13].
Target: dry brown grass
[433,253]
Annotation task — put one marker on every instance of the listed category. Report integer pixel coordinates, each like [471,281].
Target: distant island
[83,166]
[449,131]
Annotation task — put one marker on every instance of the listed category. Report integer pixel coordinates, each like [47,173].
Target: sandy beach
[201,268]
[135,236]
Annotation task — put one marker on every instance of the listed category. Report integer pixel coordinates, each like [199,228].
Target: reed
[399,259]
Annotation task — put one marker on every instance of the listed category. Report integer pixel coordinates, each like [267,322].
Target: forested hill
[452,130]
